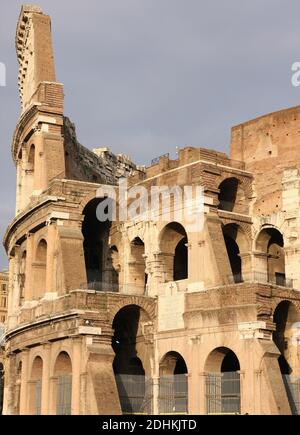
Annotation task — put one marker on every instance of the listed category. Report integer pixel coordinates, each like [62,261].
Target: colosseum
[149,316]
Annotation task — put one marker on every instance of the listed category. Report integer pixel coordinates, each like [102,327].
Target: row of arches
[61,385]
[135,387]
[269,252]
[103,262]
[222,367]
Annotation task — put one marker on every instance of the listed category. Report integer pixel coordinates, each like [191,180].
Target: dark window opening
[181,261]
[234,258]
[101,274]
[228,193]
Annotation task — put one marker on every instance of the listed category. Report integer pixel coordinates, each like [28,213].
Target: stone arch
[233,194]
[173,384]
[216,357]
[237,243]
[286,318]
[171,363]
[96,249]
[269,246]
[223,393]
[22,275]
[35,386]
[62,384]
[40,269]
[116,304]
[137,274]
[86,200]
[173,243]
[132,359]
[31,158]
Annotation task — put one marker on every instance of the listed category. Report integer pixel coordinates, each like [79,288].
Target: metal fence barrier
[135,394]
[223,393]
[173,394]
[261,277]
[292,386]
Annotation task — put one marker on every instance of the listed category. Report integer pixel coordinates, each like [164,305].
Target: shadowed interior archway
[128,342]
[174,251]
[223,394]
[35,387]
[101,275]
[270,246]
[173,384]
[62,378]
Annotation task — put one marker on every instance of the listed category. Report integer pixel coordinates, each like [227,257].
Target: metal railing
[135,394]
[261,277]
[173,394]
[292,386]
[223,393]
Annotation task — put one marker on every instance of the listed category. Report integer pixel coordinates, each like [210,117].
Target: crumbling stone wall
[85,165]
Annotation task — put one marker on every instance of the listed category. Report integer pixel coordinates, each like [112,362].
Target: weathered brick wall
[85,165]
[268,145]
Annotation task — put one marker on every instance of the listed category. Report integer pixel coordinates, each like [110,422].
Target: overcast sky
[145,76]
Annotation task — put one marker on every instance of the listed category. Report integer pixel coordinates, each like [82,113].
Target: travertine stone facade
[198,322]
[3,295]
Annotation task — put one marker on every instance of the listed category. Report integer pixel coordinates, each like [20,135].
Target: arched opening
[181,261]
[137,267]
[174,251]
[97,253]
[63,384]
[135,389]
[31,165]
[287,337]
[114,263]
[35,390]
[40,270]
[223,382]
[235,240]
[22,277]
[1,387]
[30,171]
[270,245]
[31,158]
[173,384]
[228,194]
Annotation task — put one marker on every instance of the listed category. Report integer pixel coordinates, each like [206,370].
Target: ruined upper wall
[268,146]
[85,165]
[34,52]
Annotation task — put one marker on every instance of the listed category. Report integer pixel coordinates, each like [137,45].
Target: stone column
[51,233]
[76,370]
[9,385]
[155,380]
[28,293]
[46,379]
[247,269]
[16,283]
[156,276]
[10,292]
[260,267]
[24,382]
[202,393]
[193,378]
